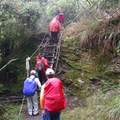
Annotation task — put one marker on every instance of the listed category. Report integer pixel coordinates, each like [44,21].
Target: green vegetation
[89,57]
[10,112]
[98,107]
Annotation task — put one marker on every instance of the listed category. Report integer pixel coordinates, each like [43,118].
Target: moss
[88,65]
[72,74]
[115,21]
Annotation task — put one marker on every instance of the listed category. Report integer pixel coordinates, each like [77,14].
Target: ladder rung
[47,49]
[50,56]
[51,46]
[51,62]
[48,52]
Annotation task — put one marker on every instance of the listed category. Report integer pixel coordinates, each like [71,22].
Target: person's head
[50,73]
[33,72]
[42,58]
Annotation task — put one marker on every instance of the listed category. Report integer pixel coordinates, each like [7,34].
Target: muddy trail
[72,103]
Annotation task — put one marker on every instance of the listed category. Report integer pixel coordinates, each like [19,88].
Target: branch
[10,61]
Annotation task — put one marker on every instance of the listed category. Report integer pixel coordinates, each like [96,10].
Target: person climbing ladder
[41,66]
[54,28]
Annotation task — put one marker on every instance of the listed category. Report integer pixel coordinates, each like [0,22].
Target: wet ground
[72,102]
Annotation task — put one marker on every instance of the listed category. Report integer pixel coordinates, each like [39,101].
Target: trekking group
[42,78]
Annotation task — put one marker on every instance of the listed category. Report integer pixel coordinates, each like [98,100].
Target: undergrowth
[11,112]
[100,106]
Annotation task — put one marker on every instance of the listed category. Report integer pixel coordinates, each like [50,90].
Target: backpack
[54,96]
[30,87]
[39,65]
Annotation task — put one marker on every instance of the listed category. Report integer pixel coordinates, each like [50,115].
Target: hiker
[52,99]
[41,66]
[54,28]
[31,84]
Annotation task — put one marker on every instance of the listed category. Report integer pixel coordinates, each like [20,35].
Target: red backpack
[54,95]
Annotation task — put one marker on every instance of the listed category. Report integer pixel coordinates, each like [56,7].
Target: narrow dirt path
[72,102]
[27,117]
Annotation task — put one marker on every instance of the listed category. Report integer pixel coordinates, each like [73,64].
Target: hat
[49,71]
[32,72]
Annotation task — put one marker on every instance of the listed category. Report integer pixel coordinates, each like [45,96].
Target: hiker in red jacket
[52,98]
[54,28]
[41,66]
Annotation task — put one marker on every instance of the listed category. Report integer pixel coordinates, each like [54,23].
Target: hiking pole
[21,107]
[27,69]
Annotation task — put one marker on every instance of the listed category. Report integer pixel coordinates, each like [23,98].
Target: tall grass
[11,112]
[99,107]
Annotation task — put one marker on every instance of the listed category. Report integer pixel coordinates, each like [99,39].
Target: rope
[28,58]
[38,47]
[4,66]
[12,60]
[58,50]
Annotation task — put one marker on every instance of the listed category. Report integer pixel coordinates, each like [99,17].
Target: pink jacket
[54,25]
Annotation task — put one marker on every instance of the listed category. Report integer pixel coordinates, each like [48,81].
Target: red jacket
[38,64]
[45,62]
[41,64]
[54,95]
[55,25]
